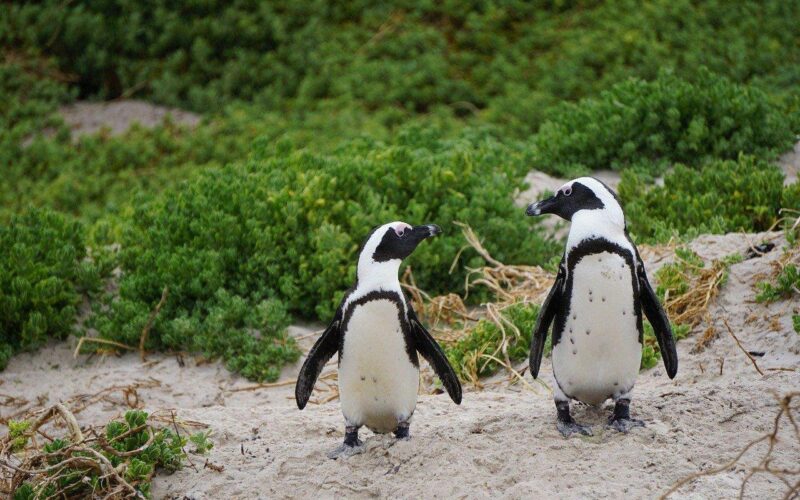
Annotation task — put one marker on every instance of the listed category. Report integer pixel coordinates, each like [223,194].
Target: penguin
[596,305]
[377,336]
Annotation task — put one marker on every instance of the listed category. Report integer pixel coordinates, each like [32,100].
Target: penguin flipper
[325,347]
[433,353]
[659,321]
[546,314]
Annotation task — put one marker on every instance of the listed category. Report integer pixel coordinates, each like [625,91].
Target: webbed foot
[569,428]
[621,419]
[345,450]
[351,446]
[566,425]
[623,425]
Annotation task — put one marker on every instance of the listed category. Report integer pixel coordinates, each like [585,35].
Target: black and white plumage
[377,336]
[596,306]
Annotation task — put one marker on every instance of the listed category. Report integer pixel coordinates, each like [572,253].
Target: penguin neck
[589,224]
[378,275]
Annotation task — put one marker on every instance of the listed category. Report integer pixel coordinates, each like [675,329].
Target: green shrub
[796,322]
[130,452]
[787,284]
[660,122]
[721,196]
[284,228]
[510,58]
[43,272]
[201,441]
[468,355]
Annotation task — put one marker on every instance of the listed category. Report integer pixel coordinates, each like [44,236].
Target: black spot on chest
[587,248]
[399,301]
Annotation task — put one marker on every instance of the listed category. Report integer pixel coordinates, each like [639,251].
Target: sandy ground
[85,117]
[500,441]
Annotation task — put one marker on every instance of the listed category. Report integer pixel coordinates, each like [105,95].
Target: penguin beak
[542,207]
[427,231]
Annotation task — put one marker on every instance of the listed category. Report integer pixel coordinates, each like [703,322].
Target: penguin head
[579,195]
[387,245]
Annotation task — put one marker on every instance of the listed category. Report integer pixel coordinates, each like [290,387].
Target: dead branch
[746,353]
[149,324]
[785,413]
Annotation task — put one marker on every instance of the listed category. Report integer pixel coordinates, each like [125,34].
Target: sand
[85,117]
[499,441]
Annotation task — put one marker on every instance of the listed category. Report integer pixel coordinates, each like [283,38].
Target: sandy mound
[499,441]
[790,163]
[85,118]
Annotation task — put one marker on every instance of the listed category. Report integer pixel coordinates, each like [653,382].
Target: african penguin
[596,306]
[377,335]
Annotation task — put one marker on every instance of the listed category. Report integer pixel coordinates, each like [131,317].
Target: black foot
[565,423]
[621,419]
[569,428]
[624,425]
[402,431]
[351,446]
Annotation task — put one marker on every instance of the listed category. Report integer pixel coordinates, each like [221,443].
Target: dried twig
[96,340]
[789,477]
[746,353]
[149,324]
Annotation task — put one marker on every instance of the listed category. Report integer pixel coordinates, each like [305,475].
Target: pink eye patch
[400,229]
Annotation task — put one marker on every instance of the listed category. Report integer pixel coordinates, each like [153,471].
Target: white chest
[599,353]
[378,384]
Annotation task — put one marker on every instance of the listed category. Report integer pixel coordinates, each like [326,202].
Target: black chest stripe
[399,301]
[591,247]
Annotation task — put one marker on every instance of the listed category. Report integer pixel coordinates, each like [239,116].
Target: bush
[722,196]
[469,355]
[787,284]
[44,269]
[660,122]
[284,228]
[130,445]
[510,58]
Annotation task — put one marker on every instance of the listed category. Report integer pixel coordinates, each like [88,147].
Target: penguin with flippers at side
[596,306]
[377,336]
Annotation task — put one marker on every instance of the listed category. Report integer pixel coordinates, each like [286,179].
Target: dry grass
[704,284]
[450,320]
[83,452]
[508,284]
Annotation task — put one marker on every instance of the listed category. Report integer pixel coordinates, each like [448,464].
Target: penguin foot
[566,425]
[402,432]
[621,419]
[623,425]
[346,450]
[569,428]
[351,446]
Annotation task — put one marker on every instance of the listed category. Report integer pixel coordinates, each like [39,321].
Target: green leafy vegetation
[285,227]
[661,122]
[44,271]
[478,353]
[409,56]
[722,196]
[321,121]
[201,441]
[796,322]
[786,284]
[134,449]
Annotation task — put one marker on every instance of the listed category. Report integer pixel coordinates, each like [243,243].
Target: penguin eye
[567,191]
[400,231]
